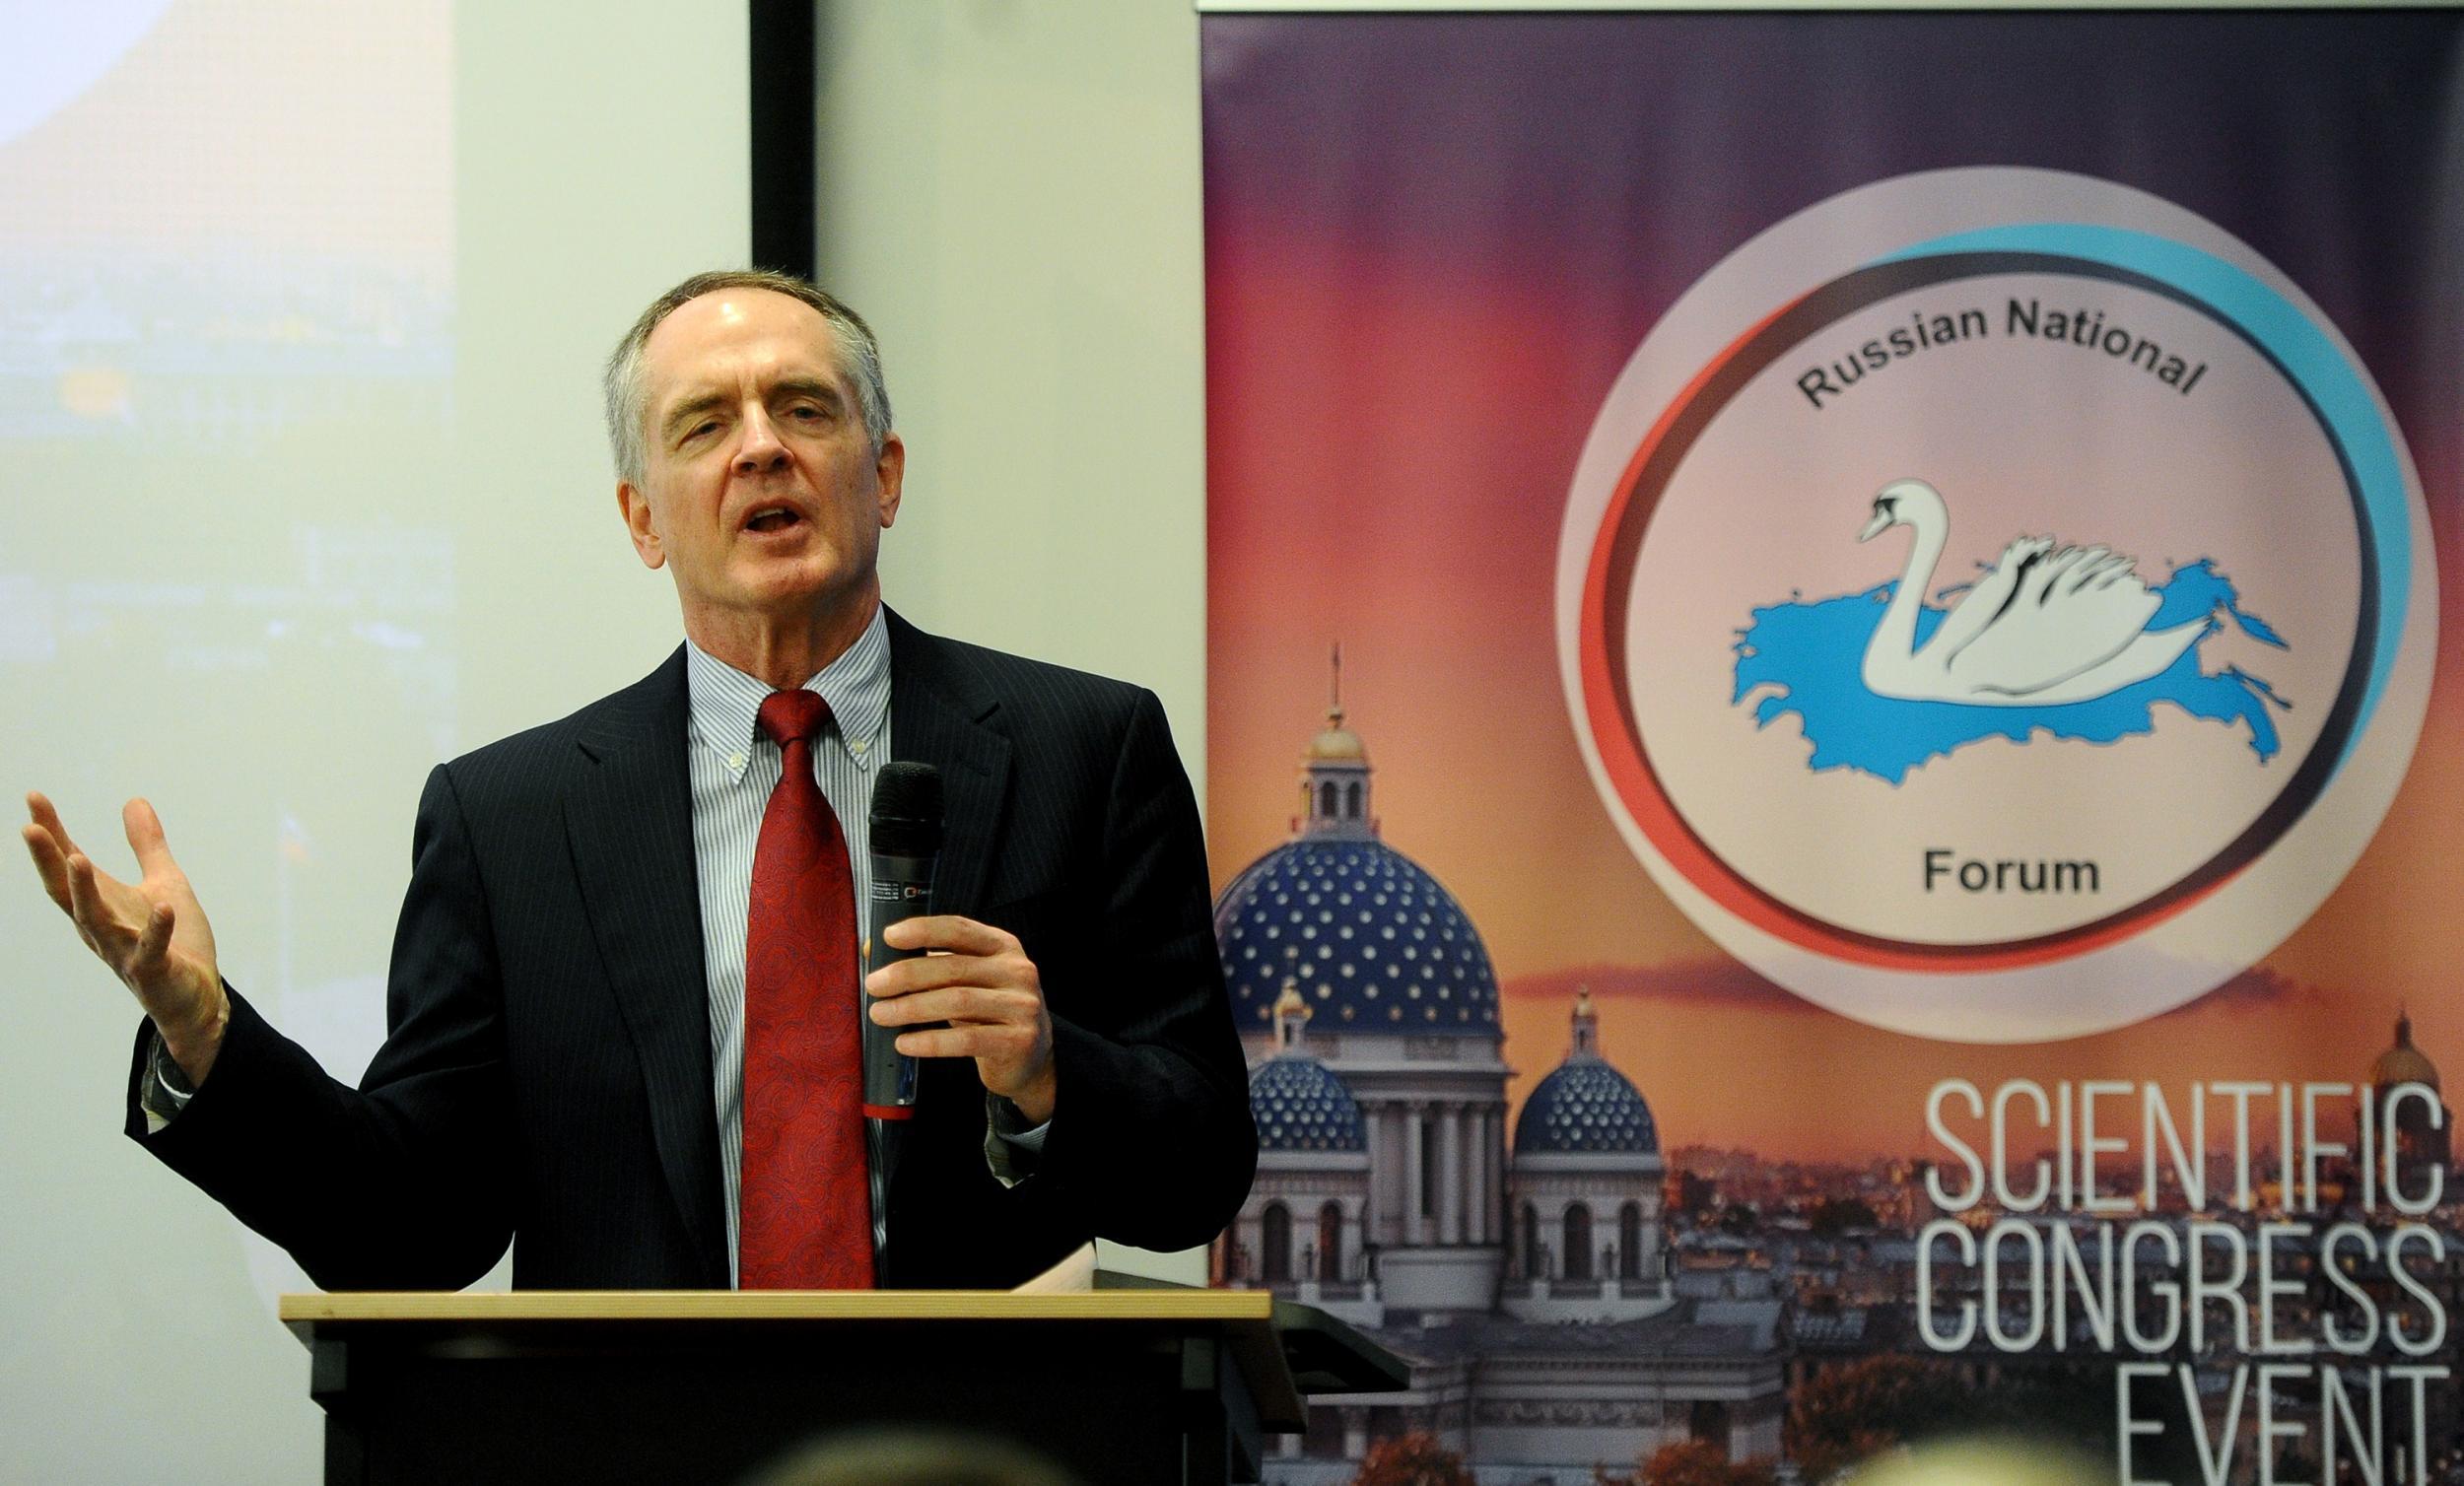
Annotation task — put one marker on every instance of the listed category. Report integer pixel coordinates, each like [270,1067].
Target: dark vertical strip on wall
[785,154]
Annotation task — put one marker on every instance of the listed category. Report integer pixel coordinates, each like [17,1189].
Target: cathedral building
[2423,1135]
[1522,1272]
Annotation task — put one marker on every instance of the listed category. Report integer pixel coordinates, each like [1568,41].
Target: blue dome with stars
[1585,1108]
[1300,1105]
[1374,943]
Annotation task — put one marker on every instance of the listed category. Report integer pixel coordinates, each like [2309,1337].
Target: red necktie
[805,1203]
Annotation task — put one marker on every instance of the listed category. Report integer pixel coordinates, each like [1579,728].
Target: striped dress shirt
[734,768]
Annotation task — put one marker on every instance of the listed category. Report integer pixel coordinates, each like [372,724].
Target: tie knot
[790,716]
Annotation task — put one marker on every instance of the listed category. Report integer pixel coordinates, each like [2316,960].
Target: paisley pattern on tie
[805,1206]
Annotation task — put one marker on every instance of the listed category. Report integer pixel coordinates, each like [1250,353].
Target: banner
[1873,864]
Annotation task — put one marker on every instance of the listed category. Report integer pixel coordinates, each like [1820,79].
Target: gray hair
[623,385]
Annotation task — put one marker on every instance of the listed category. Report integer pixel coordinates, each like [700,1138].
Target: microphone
[906,824]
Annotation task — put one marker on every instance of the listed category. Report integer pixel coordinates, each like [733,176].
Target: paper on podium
[1073,1274]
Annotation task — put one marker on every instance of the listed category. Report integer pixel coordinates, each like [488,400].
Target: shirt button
[735,761]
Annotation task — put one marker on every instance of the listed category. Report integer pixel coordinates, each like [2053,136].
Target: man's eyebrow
[689,409]
[819,389]
[813,388]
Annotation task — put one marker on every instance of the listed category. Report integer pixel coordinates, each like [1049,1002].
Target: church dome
[1300,1105]
[1369,940]
[1374,942]
[1586,1107]
[1337,743]
[2403,1063]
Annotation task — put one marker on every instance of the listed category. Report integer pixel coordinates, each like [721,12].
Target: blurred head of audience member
[911,1458]
[1992,1461]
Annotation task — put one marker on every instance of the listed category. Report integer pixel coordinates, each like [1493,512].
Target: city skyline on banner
[1699,1032]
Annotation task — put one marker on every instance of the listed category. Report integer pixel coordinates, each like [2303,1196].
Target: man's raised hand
[152,932]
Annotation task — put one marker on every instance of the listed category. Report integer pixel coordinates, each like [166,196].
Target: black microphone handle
[902,888]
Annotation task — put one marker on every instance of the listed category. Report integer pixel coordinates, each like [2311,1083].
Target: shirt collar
[724,700]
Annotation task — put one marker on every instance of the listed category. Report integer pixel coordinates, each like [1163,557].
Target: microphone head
[906,810]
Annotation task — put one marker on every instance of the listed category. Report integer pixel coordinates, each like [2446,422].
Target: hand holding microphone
[926,969]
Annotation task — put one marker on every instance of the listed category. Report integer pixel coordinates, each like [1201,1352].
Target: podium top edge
[777,1305]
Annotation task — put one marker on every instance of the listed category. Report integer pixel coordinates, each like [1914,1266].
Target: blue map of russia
[1804,656]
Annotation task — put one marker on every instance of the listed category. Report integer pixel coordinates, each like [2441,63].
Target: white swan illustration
[2043,625]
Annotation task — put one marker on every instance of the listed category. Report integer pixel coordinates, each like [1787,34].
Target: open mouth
[772,518]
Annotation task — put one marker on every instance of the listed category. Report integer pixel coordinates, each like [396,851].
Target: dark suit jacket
[547,1072]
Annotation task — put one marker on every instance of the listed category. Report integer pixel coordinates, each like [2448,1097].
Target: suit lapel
[940,715]
[630,821]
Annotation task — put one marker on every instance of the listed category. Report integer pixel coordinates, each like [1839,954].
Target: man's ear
[889,468]
[634,507]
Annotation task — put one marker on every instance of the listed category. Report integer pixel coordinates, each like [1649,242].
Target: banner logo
[1996,605]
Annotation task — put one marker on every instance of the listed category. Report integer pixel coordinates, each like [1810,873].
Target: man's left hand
[980,981]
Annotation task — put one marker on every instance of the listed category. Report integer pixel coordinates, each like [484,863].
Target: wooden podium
[1140,1387]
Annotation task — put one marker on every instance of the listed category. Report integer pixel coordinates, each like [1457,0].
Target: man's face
[760,488]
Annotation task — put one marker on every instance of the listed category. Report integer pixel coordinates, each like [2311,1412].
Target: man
[602,968]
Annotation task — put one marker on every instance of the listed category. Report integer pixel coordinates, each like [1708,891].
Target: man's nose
[761,450]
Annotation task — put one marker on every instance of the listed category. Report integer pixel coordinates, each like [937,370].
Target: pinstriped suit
[547,1074]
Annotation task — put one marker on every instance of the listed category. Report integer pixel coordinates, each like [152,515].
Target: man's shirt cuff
[166,1091]
[1011,1147]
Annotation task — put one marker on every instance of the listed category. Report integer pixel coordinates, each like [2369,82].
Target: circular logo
[1996,605]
